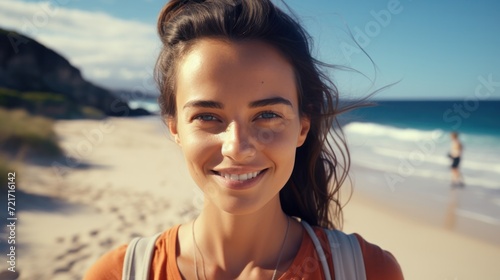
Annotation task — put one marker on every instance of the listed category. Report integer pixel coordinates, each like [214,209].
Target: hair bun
[169,11]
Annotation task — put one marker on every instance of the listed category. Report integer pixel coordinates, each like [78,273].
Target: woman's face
[237,122]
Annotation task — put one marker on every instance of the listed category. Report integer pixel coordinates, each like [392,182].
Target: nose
[237,143]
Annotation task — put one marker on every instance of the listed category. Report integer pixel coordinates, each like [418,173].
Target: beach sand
[125,177]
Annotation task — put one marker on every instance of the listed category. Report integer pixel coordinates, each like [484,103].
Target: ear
[305,125]
[172,126]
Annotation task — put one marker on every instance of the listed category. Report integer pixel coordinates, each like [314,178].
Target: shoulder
[110,265]
[379,264]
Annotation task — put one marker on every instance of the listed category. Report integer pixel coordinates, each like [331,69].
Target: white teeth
[240,177]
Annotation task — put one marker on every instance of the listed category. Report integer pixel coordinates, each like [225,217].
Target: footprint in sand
[76,249]
[67,268]
[142,217]
[107,243]
[134,214]
[134,235]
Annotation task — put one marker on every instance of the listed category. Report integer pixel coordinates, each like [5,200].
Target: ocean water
[150,105]
[407,143]
[415,135]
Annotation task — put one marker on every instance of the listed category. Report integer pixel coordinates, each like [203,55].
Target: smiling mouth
[239,177]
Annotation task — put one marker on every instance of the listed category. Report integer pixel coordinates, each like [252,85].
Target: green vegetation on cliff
[21,133]
[48,104]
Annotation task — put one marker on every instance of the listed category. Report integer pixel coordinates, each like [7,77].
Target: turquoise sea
[402,146]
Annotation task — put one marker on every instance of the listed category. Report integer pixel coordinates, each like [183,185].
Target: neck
[235,241]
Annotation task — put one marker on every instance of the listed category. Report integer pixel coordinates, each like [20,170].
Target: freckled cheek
[278,147]
[276,137]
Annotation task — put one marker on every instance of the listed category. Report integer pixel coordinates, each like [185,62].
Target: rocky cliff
[31,72]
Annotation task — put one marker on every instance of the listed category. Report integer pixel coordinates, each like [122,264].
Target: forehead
[247,67]
[210,50]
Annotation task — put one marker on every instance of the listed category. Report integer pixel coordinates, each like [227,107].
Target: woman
[251,111]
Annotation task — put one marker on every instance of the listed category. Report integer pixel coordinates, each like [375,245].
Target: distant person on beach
[251,110]
[455,156]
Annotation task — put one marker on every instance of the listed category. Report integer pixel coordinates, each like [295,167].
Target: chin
[243,206]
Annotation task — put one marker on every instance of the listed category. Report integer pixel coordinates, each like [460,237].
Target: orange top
[379,264]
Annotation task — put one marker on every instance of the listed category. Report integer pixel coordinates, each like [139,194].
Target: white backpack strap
[346,254]
[138,257]
[319,250]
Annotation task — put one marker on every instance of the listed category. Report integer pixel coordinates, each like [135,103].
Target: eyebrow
[253,104]
[270,101]
[203,104]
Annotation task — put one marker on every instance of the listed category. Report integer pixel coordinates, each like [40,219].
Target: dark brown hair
[312,192]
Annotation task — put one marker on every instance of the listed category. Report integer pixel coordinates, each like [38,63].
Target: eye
[205,118]
[268,115]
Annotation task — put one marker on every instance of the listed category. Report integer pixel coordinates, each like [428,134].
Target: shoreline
[423,250]
[427,201]
[128,184]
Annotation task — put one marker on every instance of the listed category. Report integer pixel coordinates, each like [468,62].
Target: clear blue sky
[435,49]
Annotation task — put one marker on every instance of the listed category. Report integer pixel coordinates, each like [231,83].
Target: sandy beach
[124,178]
